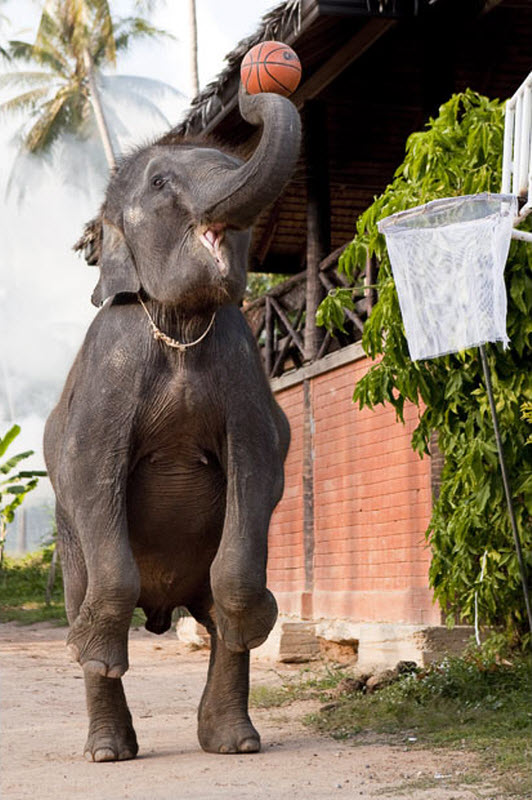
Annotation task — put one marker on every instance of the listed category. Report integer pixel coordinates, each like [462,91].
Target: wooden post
[269,345]
[318,215]
[308,500]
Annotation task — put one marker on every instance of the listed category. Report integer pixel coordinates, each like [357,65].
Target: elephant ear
[117,267]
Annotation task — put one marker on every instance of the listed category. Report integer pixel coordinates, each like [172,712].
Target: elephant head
[176,218]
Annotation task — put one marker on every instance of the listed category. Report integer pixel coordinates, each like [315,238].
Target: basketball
[271,67]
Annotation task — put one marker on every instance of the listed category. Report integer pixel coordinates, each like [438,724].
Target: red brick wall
[372,503]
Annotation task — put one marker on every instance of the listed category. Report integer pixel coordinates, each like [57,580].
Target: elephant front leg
[98,636]
[246,610]
[111,734]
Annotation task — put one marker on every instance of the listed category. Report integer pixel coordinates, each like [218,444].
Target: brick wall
[372,504]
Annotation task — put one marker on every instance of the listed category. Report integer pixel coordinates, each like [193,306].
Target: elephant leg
[101,592]
[72,565]
[98,636]
[224,725]
[246,610]
[111,734]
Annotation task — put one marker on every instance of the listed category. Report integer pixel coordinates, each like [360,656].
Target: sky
[45,287]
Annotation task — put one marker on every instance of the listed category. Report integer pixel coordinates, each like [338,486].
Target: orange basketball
[270,67]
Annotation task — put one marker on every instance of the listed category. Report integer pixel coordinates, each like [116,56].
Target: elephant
[166,448]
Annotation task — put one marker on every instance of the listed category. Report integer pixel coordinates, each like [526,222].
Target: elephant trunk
[242,193]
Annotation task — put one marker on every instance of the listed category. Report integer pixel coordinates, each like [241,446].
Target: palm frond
[133,28]
[14,79]
[53,121]
[49,27]
[22,101]
[45,56]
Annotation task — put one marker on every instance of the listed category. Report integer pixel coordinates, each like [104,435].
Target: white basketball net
[448,260]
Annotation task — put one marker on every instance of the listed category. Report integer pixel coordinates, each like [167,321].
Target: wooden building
[347,543]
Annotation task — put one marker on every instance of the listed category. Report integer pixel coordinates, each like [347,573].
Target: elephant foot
[111,742]
[226,735]
[244,630]
[99,644]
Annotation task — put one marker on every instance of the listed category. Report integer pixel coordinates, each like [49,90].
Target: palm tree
[193,47]
[75,40]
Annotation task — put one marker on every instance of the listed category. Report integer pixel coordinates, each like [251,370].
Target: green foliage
[23,583]
[15,487]
[261,282]
[477,699]
[526,412]
[459,153]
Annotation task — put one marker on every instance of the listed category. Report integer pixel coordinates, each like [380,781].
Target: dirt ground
[43,728]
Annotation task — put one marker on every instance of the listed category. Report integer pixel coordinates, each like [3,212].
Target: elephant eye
[158,181]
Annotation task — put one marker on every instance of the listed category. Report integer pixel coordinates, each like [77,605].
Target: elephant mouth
[212,239]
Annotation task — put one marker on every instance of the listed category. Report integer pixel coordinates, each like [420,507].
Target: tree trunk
[194,73]
[103,129]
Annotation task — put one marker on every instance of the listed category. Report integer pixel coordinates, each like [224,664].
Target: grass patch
[305,685]
[476,702]
[23,589]
[269,696]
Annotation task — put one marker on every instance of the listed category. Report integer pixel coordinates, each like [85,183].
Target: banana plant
[14,487]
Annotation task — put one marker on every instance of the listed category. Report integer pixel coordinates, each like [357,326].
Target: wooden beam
[355,47]
[270,344]
[286,345]
[267,237]
[288,325]
[318,215]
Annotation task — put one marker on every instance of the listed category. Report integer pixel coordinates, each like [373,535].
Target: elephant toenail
[105,754]
[249,746]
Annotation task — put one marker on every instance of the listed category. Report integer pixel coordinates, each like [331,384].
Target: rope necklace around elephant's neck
[158,335]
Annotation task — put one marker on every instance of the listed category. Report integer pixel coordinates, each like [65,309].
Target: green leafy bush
[459,153]
[23,584]
[15,487]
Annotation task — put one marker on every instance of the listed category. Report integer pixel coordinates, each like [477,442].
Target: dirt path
[43,730]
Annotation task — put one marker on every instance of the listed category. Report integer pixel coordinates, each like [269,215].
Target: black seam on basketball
[258,67]
[274,78]
[279,64]
[246,80]
[276,50]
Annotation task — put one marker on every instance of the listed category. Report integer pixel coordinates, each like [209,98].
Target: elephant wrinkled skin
[168,462]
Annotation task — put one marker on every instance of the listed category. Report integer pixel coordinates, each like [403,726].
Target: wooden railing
[278,318]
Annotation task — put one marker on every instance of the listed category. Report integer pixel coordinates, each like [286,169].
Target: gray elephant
[166,448]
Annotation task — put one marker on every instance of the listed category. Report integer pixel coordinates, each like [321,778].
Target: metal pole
[506,483]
